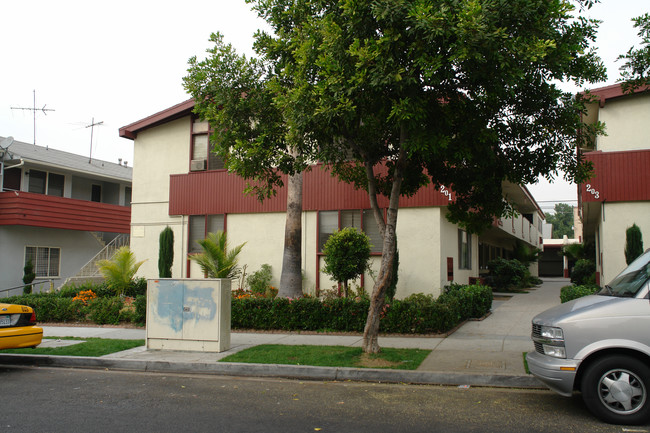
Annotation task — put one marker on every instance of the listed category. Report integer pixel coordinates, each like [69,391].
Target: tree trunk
[291,278]
[387,228]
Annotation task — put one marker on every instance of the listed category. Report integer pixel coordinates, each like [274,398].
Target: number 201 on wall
[445,191]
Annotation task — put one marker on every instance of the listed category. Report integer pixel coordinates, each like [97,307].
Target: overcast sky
[120,61]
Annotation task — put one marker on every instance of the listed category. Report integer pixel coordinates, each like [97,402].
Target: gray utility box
[188,314]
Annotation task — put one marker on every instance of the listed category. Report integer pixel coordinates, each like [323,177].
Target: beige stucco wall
[626,123]
[264,237]
[617,218]
[157,153]
[418,231]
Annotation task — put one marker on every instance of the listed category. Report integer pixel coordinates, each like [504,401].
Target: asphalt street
[38,399]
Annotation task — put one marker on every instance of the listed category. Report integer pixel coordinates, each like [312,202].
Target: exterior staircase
[89,272]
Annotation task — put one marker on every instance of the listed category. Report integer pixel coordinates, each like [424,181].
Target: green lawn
[330,356]
[90,347]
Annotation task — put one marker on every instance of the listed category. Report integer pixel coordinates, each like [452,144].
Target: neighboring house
[618,195]
[552,262]
[177,182]
[58,210]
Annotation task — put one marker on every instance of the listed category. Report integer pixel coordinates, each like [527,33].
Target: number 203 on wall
[591,190]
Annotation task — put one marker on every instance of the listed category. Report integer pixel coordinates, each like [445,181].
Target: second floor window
[202,156]
[41,182]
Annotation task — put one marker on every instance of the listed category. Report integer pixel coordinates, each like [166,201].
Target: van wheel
[615,389]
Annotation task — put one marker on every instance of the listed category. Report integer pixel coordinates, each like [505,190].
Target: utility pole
[34,109]
[92,127]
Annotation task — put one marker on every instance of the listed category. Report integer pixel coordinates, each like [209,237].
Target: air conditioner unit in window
[198,164]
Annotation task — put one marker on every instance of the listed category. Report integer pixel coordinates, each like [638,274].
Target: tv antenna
[34,109]
[92,128]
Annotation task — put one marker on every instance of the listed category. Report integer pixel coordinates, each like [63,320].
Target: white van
[600,345]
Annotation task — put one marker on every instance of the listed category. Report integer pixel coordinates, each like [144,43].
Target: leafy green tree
[253,139]
[635,72]
[119,270]
[562,220]
[396,94]
[347,252]
[633,243]
[216,260]
[166,253]
[28,277]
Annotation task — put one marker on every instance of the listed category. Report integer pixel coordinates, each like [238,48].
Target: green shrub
[137,287]
[106,310]
[50,307]
[260,281]
[583,272]
[422,314]
[507,274]
[140,315]
[28,277]
[166,253]
[633,243]
[347,252]
[569,293]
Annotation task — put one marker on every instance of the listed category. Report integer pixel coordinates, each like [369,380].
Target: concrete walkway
[485,352]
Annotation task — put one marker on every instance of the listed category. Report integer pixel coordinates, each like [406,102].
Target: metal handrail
[50,281]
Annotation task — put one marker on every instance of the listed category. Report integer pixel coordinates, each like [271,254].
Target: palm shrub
[119,270]
[633,243]
[347,252]
[166,253]
[216,261]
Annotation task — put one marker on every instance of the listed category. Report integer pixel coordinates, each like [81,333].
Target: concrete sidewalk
[487,352]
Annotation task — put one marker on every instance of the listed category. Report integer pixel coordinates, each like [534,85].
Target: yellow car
[17,328]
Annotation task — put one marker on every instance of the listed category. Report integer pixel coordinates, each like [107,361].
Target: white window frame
[36,263]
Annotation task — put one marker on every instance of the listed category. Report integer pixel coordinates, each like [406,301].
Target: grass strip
[90,347]
[330,356]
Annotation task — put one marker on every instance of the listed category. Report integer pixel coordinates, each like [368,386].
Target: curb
[277,370]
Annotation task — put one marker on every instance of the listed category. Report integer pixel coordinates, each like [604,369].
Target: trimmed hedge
[569,293]
[418,314]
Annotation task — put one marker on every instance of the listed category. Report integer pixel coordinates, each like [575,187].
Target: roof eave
[172,113]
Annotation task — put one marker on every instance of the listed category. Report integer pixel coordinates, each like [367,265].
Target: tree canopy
[635,72]
[396,94]
[562,220]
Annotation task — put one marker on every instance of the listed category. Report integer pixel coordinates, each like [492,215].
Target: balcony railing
[38,210]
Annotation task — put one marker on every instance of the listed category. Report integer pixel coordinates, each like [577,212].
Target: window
[37,180]
[201,148]
[55,184]
[41,182]
[200,226]
[362,220]
[96,193]
[128,194]
[464,250]
[46,260]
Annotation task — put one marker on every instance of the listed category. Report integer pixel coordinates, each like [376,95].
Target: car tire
[616,389]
